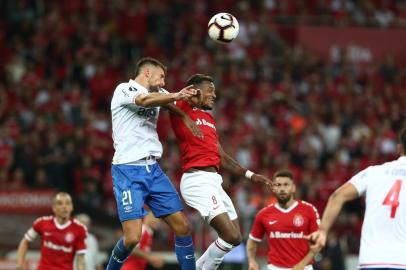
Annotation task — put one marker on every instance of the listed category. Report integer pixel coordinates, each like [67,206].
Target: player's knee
[181,228]
[233,238]
[131,240]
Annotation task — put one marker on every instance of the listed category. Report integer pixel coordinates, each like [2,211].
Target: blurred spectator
[92,256]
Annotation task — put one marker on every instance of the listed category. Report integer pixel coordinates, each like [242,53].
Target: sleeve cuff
[30,235]
[254,238]
[81,251]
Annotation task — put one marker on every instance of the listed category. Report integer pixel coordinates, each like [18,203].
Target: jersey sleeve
[182,104]
[360,180]
[127,94]
[80,245]
[314,220]
[35,230]
[258,230]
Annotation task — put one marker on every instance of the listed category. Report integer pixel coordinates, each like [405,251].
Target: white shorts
[273,267]
[202,191]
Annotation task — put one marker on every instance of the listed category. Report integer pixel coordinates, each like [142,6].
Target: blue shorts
[134,185]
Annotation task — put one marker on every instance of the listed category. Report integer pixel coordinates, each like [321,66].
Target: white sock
[200,261]
[214,255]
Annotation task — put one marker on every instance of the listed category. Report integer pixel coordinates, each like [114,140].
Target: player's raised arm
[231,165]
[159,99]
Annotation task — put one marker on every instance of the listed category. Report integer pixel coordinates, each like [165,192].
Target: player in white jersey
[137,177]
[383,236]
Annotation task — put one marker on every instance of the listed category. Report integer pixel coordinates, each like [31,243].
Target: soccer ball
[223,28]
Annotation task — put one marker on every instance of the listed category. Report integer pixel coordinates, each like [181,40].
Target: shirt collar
[137,85]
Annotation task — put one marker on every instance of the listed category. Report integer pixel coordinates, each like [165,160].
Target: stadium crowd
[278,106]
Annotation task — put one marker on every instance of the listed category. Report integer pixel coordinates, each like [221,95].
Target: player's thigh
[163,199]
[202,191]
[130,190]
[178,223]
[228,204]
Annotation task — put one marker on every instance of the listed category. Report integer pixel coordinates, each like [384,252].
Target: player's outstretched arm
[159,99]
[231,165]
[251,250]
[343,194]
[21,251]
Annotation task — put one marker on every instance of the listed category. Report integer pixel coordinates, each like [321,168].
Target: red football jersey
[196,152]
[59,243]
[285,229]
[137,263]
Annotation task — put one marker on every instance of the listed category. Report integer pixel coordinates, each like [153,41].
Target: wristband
[249,174]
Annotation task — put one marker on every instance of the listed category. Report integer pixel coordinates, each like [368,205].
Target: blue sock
[185,252]
[118,256]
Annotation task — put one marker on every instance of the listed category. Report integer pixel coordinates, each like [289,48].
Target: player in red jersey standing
[285,224]
[62,237]
[201,161]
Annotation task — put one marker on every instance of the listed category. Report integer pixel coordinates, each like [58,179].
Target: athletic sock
[214,255]
[118,256]
[185,252]
[200,261]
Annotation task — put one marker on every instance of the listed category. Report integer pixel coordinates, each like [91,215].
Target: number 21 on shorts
[127,197]
[392,198]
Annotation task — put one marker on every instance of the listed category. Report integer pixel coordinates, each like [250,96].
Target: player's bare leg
[131,232]
[183,240]
[124,246]
[229,236]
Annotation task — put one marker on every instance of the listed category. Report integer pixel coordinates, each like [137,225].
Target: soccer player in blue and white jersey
[137,177]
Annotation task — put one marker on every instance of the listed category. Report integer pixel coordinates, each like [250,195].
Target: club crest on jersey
[298,220]
[69,237]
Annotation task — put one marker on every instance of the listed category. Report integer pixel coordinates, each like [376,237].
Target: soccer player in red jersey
[201,161]
[141,254]
[285,224]
[62,237]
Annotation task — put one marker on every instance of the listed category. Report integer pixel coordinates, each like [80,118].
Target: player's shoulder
[79,225]
[307,205]
[267,209]
[43,219]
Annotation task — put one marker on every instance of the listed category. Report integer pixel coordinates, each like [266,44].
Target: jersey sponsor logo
[69,237]
[283,235]
[204,122]
[53,246]
[298,220]
[272,222]
[132,89]
[147,112]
